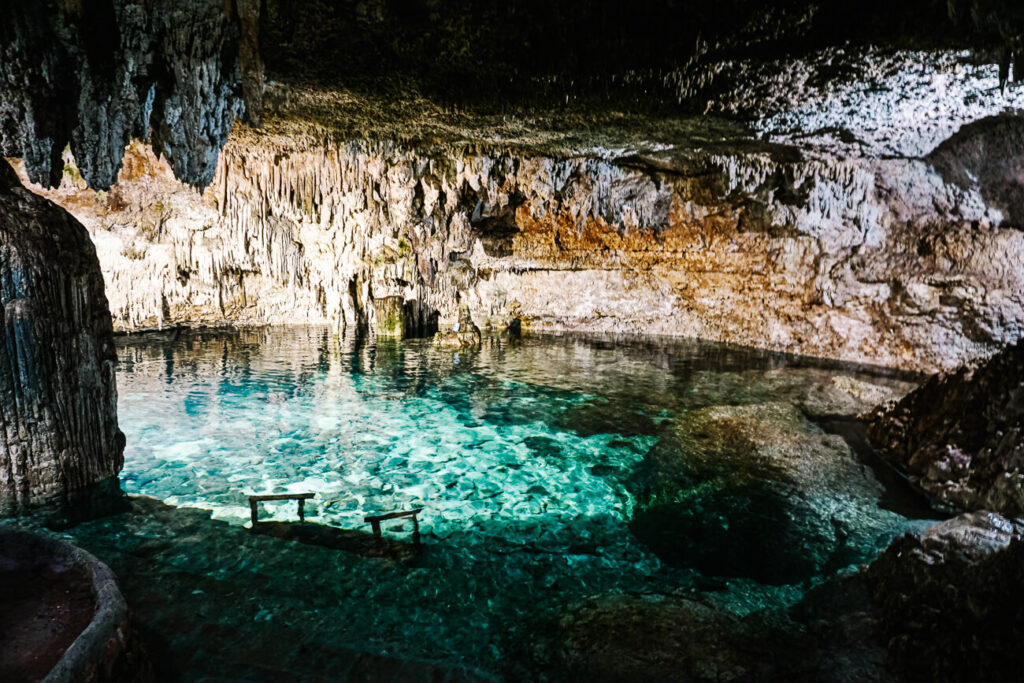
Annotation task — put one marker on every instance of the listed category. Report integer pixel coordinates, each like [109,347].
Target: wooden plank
[375,520]
[300,497]
[283,496]
[392,515]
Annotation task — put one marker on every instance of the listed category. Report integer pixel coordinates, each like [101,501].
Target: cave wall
[863,259]
[61,446]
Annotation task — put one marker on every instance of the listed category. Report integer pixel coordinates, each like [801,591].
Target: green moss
[390,316]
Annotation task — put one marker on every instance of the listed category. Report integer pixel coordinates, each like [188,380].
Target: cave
[438,340]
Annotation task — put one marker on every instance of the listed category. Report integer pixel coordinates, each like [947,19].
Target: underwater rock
[604,417]
[757,491]
[949,600]
[960,436]
[60,445]
[652,638]
[818,393]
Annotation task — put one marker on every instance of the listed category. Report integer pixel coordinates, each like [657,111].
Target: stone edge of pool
[107,647]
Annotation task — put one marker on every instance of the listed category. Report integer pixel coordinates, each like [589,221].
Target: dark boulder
[960,436]
[757,491]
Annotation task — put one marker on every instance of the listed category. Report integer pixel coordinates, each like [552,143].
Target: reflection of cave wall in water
[57,393]
[862,259]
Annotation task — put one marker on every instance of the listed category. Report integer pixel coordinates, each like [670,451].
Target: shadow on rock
[759,492]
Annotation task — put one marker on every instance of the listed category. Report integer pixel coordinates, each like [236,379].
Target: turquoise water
[524,456]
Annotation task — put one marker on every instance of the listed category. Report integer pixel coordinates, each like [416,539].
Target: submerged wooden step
[359,542]
[349,540]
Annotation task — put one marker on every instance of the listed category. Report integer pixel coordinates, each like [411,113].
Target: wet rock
[390,316]
[653,638]
[757,491]
[845,396]
[949,600]
[960,436]
[60,445]
[464,333]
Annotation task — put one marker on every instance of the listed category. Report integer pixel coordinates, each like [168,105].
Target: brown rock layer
[58,398]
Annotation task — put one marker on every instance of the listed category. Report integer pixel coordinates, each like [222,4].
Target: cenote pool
[549,469]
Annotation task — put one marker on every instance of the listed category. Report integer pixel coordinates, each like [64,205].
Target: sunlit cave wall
[902,262]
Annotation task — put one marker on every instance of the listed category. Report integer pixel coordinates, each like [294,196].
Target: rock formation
[96,74]
[58,398]
[862,258]
[657,638]
[757,491]
[960,436]
[948,600]
[463,333]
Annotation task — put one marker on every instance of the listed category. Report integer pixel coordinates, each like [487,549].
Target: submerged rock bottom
[212,599]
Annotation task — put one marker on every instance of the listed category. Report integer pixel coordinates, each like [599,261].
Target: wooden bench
[255,500]
[375,520]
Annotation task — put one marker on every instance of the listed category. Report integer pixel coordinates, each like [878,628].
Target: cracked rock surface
[58,400]
[960,436]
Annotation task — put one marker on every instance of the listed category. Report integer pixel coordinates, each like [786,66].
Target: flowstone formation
[61,443]
[864,258]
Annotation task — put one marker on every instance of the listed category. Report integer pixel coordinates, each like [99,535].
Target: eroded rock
[949,600]
[463,333]
[870,260]
[58,399]
[96,75]
[757,491]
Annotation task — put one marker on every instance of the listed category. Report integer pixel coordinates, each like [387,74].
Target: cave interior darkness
[546,341]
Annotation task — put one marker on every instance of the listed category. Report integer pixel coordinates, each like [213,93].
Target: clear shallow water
[522,453]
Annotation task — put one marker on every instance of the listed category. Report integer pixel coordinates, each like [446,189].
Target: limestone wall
[58,400]
[865,259]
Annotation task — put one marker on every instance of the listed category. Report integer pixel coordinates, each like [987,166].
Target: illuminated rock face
[863,259]
[60,442]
